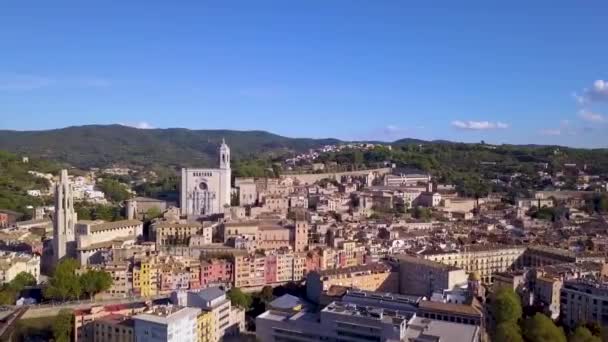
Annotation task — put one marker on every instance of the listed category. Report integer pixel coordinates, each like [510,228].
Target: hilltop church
[207,191]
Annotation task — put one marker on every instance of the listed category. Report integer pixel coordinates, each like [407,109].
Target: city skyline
[517,74]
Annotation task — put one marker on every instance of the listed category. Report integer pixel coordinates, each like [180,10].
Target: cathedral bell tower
[226,175]
[224,156]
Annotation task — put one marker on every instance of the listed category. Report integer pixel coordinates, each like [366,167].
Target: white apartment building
[167,323]
[13,263]
[227,320]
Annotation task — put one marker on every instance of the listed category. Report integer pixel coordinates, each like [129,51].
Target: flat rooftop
[164,314]
[449,308]
[377,267]
[370,312]
[425,262]
[425,329]
[281,316]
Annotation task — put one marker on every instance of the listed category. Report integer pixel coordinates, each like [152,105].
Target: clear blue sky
[515,72]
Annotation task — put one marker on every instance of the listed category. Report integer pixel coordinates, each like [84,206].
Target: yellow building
[349,248]
[145,278]
[205,327]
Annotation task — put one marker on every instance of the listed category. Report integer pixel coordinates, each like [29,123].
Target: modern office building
[342,321]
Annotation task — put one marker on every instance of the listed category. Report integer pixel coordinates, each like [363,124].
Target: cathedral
[207,191]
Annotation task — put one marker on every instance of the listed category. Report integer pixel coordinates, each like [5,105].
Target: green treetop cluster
[512,326]
[67,284]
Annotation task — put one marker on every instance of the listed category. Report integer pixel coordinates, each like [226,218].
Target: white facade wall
[180,326]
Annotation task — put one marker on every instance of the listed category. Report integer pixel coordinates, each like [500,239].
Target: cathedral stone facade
[207,191]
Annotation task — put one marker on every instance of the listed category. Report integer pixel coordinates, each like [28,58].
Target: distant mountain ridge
[104,145]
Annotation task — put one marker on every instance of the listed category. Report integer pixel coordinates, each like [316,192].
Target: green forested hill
[15,181]
[103,145]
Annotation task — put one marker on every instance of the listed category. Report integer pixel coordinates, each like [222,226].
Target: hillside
[104,145]
[15,181]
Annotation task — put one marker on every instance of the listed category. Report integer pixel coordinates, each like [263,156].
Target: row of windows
[202,174]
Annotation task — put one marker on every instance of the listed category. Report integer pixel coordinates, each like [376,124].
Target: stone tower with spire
[225,186]
[64,219]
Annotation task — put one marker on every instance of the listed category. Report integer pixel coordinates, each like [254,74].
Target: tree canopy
[239,298]
[22,280]
[67,284]
[422,213]
[94,281]
[540,328]
[9,292]
[266,294]
[114,190]
[90,211]
[15,181]
[63,326]
[507,332]
[583,334]
[506,306]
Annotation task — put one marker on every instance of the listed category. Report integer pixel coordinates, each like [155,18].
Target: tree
[421,213]
[114,190]
[153,213]
[89,211]
[64,284]
[266,294]
[239,298]
[540,328]
[506,306]
[62,326]
[582,334]
[7,296]
[93,282]
[508,332]
[22,280]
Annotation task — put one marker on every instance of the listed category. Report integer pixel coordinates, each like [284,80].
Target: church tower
[224,155]
[64,219]
[226,177]
[300,236]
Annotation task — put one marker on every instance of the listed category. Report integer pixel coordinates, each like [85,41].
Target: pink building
[178,279]
[270,269]
[3,220]
[313,262]
[217,271]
